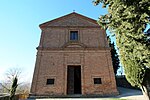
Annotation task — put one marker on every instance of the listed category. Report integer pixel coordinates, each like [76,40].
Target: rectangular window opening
[97,81]
[74,35]
[50,82]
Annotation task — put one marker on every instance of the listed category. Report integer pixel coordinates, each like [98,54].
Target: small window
[97,81]
[74,35]
[50,81]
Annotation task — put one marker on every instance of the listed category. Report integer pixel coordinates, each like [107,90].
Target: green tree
[11,82]
[13,88]
[128,19]
[114,56]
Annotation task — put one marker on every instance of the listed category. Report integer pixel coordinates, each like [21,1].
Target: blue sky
[20,32]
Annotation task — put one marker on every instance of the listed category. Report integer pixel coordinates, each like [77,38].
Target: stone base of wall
[33,96]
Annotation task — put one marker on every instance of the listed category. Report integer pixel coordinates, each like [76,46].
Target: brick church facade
[73,58]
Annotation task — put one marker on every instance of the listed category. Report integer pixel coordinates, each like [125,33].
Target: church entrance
[74,79]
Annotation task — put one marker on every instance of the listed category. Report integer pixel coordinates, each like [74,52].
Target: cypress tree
[128,19]
[114,56]
[13,88]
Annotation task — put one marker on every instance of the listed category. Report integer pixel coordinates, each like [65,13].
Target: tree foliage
[114,56]
[13,88]
[128,19]
[12,83]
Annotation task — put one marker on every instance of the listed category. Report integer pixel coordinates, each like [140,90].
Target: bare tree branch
[5,87]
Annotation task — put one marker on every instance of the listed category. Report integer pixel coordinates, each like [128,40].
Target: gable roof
[71,20]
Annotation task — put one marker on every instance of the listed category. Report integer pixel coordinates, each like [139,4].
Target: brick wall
[93,65]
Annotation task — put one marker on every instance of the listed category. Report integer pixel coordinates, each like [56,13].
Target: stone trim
[73,48]
[70,27]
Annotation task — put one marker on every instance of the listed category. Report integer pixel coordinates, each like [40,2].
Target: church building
[73,57]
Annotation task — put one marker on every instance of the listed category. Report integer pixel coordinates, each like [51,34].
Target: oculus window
[97,81]
[74,36]
[50,82]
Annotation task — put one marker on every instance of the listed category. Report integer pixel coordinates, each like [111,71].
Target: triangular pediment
[73,19]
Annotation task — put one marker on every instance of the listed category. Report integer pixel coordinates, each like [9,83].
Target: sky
[20,32]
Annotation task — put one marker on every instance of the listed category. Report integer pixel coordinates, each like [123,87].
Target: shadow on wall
[121,81]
